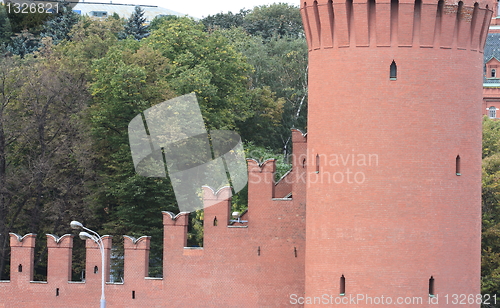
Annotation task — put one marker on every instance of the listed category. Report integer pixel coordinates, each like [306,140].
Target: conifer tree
[5,27]
[23,44]
[135,25]
[58,28]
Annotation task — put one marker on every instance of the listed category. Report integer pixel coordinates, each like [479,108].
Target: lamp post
[98,240]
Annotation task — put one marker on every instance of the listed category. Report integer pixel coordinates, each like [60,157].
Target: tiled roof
[491,50]
[492,47]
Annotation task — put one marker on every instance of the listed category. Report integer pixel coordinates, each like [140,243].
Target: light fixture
[85,235]
[237,218]
[76,225]
[98,240]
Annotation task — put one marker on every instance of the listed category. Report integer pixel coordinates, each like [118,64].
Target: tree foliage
[60,25]
[225,20]
[129,79]
[206,64]
[56,26]
[272,39]
[42,143]
[5,26]
[23,44]
[278,20]
[490,265]
[32,22]
[90,40]
[136,26]
[279,64]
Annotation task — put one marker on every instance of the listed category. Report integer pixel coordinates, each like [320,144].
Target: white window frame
[492,112]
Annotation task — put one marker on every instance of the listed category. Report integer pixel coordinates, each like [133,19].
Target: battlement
[407,23]
[237,260]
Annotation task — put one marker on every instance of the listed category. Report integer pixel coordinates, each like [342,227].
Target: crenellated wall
[406,23]
[258,263]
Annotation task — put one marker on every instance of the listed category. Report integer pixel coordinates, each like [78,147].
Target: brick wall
[386,209]
[258,263]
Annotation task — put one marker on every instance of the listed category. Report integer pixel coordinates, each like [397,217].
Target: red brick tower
[394,150]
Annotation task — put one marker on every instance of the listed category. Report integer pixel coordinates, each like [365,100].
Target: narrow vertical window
[215,221]
[96,269]
[317,163]
[492,112]
[57,291]
[20,268]
[493,73]
[342,285]
[457,165]
[133,294]
[393,72]
[431,286]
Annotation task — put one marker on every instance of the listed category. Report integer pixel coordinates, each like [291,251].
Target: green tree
[23,44]
[176,59]
[5,27]
[281,65]
[59,26]
[490,264]
[129,79]
[32,22]
[264,118]
[225,20]
[90,40]
[136,26]
[275,21]
[43,150]
[160,19]
[206,64]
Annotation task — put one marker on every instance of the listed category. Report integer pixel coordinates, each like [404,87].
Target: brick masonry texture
[378,168]
[255,264]
[389,224]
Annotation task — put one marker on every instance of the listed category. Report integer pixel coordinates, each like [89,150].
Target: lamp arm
[95,233]
[100,243]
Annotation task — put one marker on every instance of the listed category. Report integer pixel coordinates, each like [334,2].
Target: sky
[203,8]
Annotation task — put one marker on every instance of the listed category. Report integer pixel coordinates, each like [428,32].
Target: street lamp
[98,240]
[237,218]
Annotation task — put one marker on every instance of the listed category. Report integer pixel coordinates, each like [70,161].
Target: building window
[393,71]
[431,286]
[493,73]
[457,165]
[99,14]
[342,285]
[492,112]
